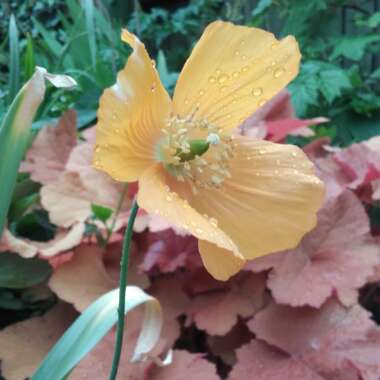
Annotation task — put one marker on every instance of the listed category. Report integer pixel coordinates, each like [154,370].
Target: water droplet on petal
[294,154]
[237,52]
[97,148]
[223,88]
[201,92]
[257,91]
[222,78]
[213,222]
[261,102]
[235,74]
[245,69]
[278,72]
[212,79]
[169,198]
[243,57]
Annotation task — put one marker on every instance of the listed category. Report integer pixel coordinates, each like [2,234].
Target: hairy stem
[122,286]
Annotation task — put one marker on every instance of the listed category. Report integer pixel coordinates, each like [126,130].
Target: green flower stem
[122,286]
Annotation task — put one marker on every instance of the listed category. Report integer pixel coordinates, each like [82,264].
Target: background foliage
[339,79]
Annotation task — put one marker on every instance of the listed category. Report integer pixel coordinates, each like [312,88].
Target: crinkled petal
[219,253]
[232,71]
[269,202]
[130,117]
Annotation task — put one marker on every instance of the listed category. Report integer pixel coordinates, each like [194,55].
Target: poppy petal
[130,117]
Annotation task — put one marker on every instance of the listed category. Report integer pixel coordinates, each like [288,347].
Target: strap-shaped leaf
[93,325]
[15,131]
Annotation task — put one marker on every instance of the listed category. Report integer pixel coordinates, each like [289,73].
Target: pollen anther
[196,151]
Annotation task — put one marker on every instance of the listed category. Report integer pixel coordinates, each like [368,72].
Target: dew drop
[198,231]
[274,45]
[223,88]
[97,149]
[117,130]
[153,87]
[245,69]
[243,57]
[237,52]
[278,72]
[153,63]
[169,198]
[273,63]
[217,71]
[222,78]
[97,163]
[257,91]
[213,222]
[235,74]
[193,223]
[261,102]
[242,42]
[212,79]
[294,154]
[261,151]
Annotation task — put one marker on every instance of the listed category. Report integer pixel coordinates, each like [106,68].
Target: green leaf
[100,212]
[90,26]
[17,272]
[352,47]
[304,89]
[168,79]
[14,60]
[85,333]
[359,127]
[262,6]
[15,131]
[29,63]
[374,20]
[332,81]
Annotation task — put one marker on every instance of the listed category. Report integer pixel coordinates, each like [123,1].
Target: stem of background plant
[116,214]
[122,285]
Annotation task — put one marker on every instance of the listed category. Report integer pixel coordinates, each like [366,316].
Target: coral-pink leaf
[338,256]
[46,159]
[259,361]
[186,366]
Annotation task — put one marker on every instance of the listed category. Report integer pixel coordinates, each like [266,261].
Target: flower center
[196,151]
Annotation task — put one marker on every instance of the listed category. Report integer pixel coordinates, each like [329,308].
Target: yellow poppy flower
[242,198]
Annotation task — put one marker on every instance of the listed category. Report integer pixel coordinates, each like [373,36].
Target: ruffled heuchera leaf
[167,251]
[29,341]
[68,199]
[336,342]
[218,312]
[64,240]
[186,366]
[338,256]
[277,119]
[88,275]
[259,361]
[360,163]
[47,157]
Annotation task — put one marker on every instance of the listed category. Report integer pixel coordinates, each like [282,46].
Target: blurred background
[339,41]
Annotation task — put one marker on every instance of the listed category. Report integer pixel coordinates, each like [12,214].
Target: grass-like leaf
[93,325]
[14,60]
[15,131]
